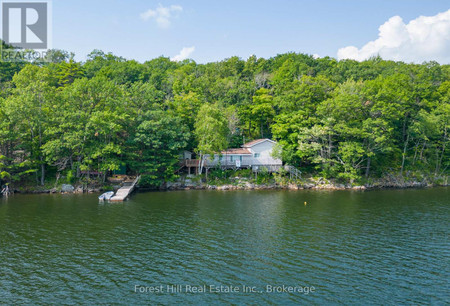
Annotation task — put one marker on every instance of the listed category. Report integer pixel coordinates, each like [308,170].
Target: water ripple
[383,247]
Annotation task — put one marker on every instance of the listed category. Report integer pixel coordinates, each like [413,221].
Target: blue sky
[215,30]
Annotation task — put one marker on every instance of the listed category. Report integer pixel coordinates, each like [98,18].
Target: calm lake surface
[382,247]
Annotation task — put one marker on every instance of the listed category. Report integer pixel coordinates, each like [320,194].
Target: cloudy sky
[407,30]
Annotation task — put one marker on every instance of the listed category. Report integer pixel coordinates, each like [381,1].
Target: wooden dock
[123,193]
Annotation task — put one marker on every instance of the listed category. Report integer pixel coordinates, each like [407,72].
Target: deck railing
[293,171]
[191,162]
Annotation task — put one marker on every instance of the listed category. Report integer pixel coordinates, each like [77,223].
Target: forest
[344,120]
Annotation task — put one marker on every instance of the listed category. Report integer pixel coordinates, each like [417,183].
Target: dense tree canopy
[340,119]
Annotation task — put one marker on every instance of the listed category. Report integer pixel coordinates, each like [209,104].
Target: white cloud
[422,39]
[162,15]
[184,54]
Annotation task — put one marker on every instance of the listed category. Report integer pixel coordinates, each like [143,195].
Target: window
[256,155]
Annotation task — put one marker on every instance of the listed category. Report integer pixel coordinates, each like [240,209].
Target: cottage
[253,154]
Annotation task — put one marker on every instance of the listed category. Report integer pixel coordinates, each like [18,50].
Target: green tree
[86,126]
[154,149]
[28,109]
[211,130]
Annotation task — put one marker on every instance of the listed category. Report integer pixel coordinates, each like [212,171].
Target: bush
[147,180]
[244,173]
[70,177]
[263,176]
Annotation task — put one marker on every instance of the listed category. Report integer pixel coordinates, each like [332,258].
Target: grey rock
[359,187]
[173,185]
[67,188]
[293,186]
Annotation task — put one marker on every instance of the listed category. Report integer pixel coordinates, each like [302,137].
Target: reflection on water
[353,247]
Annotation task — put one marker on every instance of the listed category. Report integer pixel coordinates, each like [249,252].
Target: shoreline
[296,187]
[182,186]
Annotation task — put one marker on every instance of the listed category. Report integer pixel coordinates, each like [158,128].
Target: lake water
[342,247]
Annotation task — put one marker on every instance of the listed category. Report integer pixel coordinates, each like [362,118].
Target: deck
[123,193]
[246,163]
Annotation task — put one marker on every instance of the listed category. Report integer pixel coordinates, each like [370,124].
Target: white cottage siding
[229,160]
[262,154]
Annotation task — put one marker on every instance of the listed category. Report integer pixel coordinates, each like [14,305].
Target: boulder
[249,185]
[67,188]
[191,184]
[293,186]
[173,185]
[359,187]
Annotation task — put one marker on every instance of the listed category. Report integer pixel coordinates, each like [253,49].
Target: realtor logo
[25,24]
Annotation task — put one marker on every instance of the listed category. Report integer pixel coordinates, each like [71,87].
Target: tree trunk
[368,167]
[416,149]
[421,151]
[78,167]
[436,170]
[41,158]
[405,147]
[443,152]
[200,164]
[330,143]
[42,174]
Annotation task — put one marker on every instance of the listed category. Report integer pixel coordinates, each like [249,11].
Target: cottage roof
[236,151]
[255,142]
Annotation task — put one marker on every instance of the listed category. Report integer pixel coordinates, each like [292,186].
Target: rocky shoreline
[312,184]
[246,184]
[65,188]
